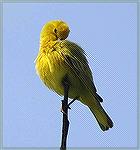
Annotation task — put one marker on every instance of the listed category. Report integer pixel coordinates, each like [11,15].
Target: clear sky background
[31,112]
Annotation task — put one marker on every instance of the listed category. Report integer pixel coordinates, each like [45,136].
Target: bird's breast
[52,68]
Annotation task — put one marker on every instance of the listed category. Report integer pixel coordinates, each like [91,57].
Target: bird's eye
[55,30]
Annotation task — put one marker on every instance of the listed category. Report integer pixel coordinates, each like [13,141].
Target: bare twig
[65,114]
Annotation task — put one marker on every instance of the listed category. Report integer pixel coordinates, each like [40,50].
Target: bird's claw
[62,109]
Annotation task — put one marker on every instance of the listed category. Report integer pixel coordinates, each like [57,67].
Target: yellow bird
[58,58]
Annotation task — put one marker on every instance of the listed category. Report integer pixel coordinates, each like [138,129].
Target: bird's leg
[72,102]
[65,113]
[68,106]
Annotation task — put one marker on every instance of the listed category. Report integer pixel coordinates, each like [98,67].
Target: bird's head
[56,30]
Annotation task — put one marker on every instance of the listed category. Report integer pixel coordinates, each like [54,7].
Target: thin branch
[65,114]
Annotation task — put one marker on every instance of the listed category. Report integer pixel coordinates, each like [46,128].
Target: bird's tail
[101,116]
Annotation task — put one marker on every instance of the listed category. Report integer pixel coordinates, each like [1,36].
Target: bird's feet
[72,102]
[64,107]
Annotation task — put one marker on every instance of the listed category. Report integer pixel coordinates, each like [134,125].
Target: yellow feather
[58,57]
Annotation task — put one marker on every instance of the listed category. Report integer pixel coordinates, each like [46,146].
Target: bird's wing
[75,58]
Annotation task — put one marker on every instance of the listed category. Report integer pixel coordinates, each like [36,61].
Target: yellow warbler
[58,57]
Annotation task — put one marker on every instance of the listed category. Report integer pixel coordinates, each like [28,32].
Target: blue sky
[31,112]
